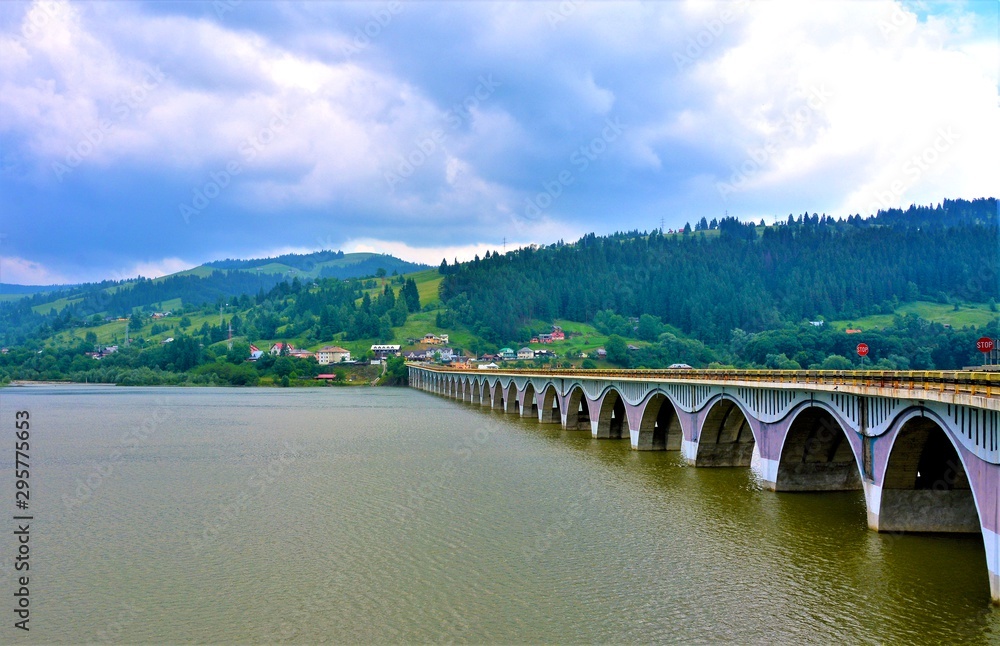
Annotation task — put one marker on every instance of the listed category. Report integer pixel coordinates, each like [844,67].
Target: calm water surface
[392,515]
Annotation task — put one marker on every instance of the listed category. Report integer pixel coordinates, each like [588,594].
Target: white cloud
[821,93]
[154,268]
[27,272]
[427,255]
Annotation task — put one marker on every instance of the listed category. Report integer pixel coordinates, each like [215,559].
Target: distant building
[488,366]
[526,353]
[301,354]
[853,331]
[169,339]
[278,347]
[816,323]
[255,352]
[383,350]
[332,354]
[508,354]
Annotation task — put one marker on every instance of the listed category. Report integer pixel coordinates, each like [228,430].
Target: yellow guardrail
[986,384]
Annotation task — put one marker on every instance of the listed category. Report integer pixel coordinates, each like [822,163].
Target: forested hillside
[731,275]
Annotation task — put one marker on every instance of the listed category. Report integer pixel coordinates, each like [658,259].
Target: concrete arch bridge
[923,446]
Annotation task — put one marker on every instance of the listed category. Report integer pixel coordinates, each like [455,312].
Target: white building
[526,353]
[383,350]
[332,354]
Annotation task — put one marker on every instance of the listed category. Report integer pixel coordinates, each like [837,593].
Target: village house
[332,354]
[508,354]
[255,352]
[525,353]
[301,354]
[278,347]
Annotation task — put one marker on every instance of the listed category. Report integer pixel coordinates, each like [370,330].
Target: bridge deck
[979,389]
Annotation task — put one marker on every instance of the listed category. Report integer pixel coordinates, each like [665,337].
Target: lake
[392,515]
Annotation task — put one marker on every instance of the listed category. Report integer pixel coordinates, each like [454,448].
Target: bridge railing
[983,384]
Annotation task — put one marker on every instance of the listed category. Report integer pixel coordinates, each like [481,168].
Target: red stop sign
[985,344]
[862,349]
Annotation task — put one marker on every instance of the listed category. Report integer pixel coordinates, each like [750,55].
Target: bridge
[923,446]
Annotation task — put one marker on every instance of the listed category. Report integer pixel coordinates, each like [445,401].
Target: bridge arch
[817,453]
[726,437]
[551,410]
[611,420]
[498,395]
[925,484]
[511,405]
[486,399]
[529,406]
[577,409]
[660,426]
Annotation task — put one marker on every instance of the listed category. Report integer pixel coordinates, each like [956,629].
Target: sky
[143,138]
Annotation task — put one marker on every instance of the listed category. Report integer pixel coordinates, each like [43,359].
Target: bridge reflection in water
[923,446]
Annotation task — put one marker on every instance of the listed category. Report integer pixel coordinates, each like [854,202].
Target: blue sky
[145,138]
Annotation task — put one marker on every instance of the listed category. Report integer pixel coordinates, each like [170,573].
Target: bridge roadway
[923,446]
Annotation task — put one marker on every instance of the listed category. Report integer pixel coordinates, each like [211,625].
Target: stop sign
[862,349]
[985,344]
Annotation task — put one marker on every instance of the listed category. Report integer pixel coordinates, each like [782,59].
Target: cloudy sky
[145,138]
